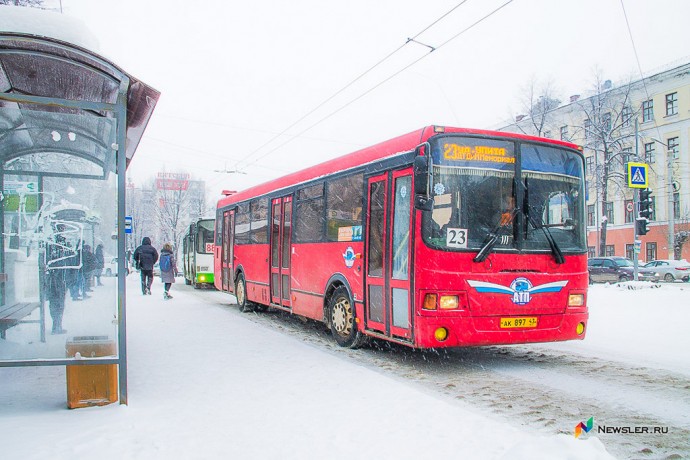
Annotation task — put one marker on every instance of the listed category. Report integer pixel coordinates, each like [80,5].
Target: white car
[670,270]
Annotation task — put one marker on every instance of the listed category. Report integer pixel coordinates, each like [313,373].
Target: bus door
[388,306]
[227,252]
[281,242]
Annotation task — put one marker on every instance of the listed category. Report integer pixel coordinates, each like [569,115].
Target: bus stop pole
[121,159]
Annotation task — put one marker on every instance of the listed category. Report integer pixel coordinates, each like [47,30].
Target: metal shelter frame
[42,81]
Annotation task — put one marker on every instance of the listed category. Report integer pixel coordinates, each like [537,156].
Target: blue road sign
[637,175]
[128,224]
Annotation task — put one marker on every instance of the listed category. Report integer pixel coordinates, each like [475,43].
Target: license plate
[528,321]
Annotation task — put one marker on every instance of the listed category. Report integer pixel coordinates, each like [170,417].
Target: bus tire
[241,294]
[341,310]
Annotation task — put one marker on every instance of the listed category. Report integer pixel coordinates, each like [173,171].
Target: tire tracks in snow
[538,388]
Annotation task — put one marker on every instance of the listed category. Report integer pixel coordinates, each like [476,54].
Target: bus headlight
[448,302]
[576,300]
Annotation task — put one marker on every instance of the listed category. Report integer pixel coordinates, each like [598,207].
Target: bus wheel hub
[342,317]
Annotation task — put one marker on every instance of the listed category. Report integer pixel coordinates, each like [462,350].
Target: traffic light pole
[636,257]
[636,194]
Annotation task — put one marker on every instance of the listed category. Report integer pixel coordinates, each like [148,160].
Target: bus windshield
[478,190]
[205,236]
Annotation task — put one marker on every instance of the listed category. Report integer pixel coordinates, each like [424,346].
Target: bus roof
[389,148]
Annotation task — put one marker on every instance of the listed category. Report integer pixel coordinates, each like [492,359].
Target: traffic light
[645,203]
[644,211]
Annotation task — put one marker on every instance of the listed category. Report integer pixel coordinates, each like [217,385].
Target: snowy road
[546,387]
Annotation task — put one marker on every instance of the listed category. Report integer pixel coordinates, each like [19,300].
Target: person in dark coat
[56,286]
[168,277]
[89,267]
[100,264]
[145,256]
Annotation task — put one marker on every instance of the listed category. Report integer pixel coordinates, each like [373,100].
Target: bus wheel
[342,311]
[241,294]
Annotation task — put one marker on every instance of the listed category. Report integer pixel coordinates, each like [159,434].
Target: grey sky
[233,75]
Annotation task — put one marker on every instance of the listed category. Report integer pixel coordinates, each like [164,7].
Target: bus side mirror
[421,183]
[421,176]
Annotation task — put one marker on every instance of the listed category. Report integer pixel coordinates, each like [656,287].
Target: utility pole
[671,216]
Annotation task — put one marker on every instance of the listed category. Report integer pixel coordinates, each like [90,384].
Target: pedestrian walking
[168,269]
[145,257]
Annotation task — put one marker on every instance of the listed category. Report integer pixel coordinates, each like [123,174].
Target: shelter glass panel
[59,265]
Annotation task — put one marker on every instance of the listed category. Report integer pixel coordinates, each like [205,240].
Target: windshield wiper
[493,236]
[557,254]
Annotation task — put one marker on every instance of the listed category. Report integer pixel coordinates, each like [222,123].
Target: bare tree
[609,132]
[538,101]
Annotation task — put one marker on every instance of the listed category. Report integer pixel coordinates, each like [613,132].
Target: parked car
[616,269]
[670,270]
[110,268]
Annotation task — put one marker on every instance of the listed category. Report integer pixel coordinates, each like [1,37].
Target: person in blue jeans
[145,257]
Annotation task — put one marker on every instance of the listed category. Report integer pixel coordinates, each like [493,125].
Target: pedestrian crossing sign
[637,175]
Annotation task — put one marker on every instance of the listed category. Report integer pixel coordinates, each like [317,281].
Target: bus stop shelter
[70,122]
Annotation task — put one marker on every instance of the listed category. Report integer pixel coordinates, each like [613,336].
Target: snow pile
[44,23]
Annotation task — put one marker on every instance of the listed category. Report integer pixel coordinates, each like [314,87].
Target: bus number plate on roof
[524,322]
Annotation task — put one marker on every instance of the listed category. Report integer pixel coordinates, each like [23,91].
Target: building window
[647,111]
[651,252]
[673,147]
[606,122]
[591,252]
[629,211]
[590,215]
[630,251]
[626,153]
[610,250]
[589,164]
[626,115]
[608,211]
[652,208]
[672,104]
[588,128]
[649,154]
[564,133]
[676,205]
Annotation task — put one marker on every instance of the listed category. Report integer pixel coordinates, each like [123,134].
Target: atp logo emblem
[580,427]
[521,289]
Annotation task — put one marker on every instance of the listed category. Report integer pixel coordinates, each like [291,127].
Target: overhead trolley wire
[496,10]
[348,85]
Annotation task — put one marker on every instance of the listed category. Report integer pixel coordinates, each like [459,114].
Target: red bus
[442,237]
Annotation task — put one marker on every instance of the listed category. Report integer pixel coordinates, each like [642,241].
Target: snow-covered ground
[206,381]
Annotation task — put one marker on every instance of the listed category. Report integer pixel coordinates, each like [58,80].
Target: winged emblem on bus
[521,288]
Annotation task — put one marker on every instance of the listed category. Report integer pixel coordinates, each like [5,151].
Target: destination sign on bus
[483,153]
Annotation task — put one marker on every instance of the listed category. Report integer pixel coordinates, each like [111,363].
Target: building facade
[645,121]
